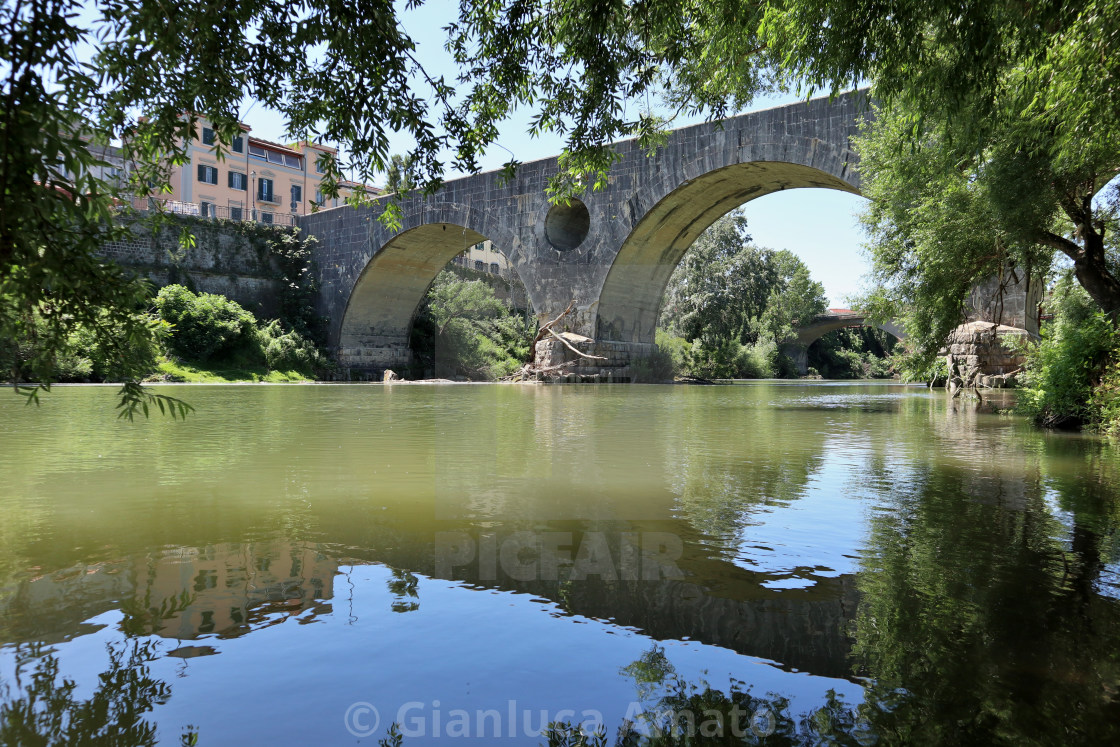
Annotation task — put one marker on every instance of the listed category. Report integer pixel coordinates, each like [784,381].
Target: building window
[266,218]
[207,136]
[321,165]
[494,268]
[257,152]
[238,145]
[237,180]
[293,162]
[480,265]
[264,190]
[235,213]
[206,210]
[297,194]
[207,174]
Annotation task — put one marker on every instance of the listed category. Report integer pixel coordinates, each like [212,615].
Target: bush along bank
[1071,378]
[201,337]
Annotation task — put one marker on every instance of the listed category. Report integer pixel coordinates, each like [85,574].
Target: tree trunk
[1089,265]
[1092,272]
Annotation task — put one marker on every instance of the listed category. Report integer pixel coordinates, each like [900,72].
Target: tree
[720,285]
[472,332]
[989,144]
[725,288]
[795,298]
[400,177]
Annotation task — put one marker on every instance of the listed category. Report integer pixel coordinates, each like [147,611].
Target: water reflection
[890,565]
[41,706]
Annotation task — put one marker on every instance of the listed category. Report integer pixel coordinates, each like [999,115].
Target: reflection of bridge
[612,250]
[830,321]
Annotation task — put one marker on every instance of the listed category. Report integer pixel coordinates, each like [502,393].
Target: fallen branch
[547,327]
[574,350]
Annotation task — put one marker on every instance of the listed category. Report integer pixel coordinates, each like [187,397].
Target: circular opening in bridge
[566,226]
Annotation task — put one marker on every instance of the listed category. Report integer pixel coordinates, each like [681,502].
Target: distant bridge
[830,321]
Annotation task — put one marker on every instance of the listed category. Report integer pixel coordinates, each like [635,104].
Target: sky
[819,225]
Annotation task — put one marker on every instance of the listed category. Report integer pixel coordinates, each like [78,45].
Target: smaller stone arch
[798,348]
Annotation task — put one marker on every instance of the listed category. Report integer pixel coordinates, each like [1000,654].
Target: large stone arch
[634,289]
[388,282]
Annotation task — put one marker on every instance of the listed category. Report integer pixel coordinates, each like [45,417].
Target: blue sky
[818,225]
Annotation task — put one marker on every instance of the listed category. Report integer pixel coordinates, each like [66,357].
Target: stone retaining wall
[222,261]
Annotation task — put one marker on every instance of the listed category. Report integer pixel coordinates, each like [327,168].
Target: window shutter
[201,173]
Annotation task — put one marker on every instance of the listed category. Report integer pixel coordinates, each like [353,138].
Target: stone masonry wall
[1017,304]
[222,261]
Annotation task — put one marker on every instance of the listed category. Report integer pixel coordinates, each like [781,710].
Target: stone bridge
[612,250]
[822,324]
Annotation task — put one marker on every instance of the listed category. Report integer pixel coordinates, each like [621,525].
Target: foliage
[936,229]
[1077,351]
[677,348]
[731,303]
[292,250]
[862,353]
[400,176]
[209,327]
[464,329]
[54,214]
[795,298]
[287,351]
[720,285]
[204,325]
[989,150]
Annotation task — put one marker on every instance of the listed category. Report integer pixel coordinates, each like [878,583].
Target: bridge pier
[798,353]
[616,364]
[374,353]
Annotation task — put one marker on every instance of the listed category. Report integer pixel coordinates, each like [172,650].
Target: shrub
[1070,360]
[114,352]
[464,329]
[206,325]
[288,351]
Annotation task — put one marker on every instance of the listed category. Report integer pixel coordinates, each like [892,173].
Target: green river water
[766,562]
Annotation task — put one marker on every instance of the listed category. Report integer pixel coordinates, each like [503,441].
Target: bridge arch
[392,280]
[798,348]
[634,289]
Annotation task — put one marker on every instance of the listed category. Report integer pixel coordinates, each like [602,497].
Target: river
[863,563]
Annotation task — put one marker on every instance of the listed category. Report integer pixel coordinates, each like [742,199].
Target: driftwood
[533,368]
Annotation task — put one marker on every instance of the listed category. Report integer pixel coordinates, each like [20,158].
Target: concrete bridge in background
[612,250]
[822,324]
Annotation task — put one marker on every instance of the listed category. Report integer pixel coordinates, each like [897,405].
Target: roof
[274,146]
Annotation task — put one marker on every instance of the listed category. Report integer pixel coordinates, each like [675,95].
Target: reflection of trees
[978,623]
[402,586]
[675,712]
[45,710]
[757,458]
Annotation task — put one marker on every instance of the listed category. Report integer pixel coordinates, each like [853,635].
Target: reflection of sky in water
[819,535]
[465,648]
